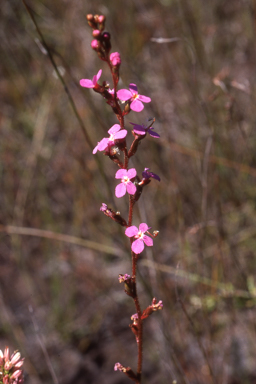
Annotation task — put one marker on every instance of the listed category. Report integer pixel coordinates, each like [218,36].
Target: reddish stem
[136,300]
[140,327]
[120,117]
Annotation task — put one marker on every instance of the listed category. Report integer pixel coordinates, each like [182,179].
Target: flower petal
[99,74]
[143,227]
[137,105]
[152,133]
[86,83]
[140,131]
[131,173]
[115,128]
[121,134]
[138,125]
[95,149]
[133,88]
[103,144]
[148,241]
[131,231]
[120,190]
[124,94]
[144,99]
[131,188]
[146,174]
[137,246]
[121,173]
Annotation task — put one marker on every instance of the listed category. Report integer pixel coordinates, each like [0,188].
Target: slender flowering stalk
[122,102]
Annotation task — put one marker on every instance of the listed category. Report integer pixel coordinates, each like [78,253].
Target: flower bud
[15,358]
[6,353]
[95,45]
[115,59]
[106,40]
[91,22]
[90,17]
[96,18]
[113,215]
[101,19]
[96,34]
[155,306]
[106,36]
[127,370]
[124,277]
[16,374]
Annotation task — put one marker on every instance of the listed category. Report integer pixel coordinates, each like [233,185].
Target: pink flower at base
[91,83]
[10,368]
[140,237]
[132,94]
[116,133]
[126,184]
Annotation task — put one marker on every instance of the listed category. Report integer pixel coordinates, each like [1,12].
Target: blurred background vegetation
[60,300]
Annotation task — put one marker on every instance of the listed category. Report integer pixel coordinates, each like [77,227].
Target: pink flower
[126,185]
[142,130]
[139,235]
[136,99]
[115,134]
[91,83]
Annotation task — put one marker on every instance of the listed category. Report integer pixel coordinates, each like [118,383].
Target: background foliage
[60,300]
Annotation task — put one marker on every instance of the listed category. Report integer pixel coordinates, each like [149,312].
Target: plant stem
[140,327]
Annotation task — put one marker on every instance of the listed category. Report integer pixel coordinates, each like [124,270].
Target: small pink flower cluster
[10,367]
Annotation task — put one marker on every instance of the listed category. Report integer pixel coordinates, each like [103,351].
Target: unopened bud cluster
[10,367]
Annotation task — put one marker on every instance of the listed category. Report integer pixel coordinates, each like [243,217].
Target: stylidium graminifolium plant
[122,102]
